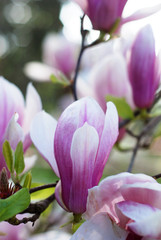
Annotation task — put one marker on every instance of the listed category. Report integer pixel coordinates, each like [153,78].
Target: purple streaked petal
[141,68]
[58,195]
[157,70]
[142,13]
[104,197]
[146,218]
[42,134]
[83,152]
[74,117]
[99,227]
[108,138]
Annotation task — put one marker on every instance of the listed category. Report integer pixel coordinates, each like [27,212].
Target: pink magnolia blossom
[104,13]
[110,77]
[59,57]
[144,68]
[13,232]
[132,201]
[16,115]
[83,139]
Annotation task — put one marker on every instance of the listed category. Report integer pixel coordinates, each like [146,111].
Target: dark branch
[157,176]
[34,208]
[150,125]
[32,190]
[83,33]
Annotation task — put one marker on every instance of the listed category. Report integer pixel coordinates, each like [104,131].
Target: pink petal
[83,152]
[146,218]
[104,197]
[42,135]
[145,192]
[74,117]
[142,68]
[109,80]
[82,3]
[142,13]
[108,138]
[99,227]
[11,101]
[58,196]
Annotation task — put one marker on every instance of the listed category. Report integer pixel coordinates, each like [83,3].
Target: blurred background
[23,25]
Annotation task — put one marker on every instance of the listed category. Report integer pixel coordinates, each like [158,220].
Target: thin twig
[132,134]
[83,34]
[32,190]
[34,208]
[150,125]
[157,176]
[124,122]
[134,155]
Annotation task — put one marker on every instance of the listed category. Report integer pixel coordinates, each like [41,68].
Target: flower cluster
[117,93]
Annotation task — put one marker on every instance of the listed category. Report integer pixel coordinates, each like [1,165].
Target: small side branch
[34,208]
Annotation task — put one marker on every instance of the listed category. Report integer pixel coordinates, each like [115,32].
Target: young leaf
[28,180]
[123,108]
[15,204]
[62,80]
[8,155]
[19,159]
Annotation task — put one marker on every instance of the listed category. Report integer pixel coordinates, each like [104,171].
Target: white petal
[14,133]
[42,134]
[33,106]
[39,71]
[99,227]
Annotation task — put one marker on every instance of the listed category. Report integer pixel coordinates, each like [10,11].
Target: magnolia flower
[110,77]
[84,137]
[16,115]
[104,14]
[144,68]
[128,202]
[8,232]
[59,58]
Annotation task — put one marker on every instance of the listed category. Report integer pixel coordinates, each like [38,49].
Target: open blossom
[144,68]
[16,115]
[104,13]
[84,137]
[131,201]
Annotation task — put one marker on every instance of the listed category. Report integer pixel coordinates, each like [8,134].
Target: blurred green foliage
[23,25]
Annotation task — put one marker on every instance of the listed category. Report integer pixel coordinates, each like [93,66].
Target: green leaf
[28,180]
[15,204]
[19,158]
[123,108]
[41,194]
[8,155]
[62,80]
